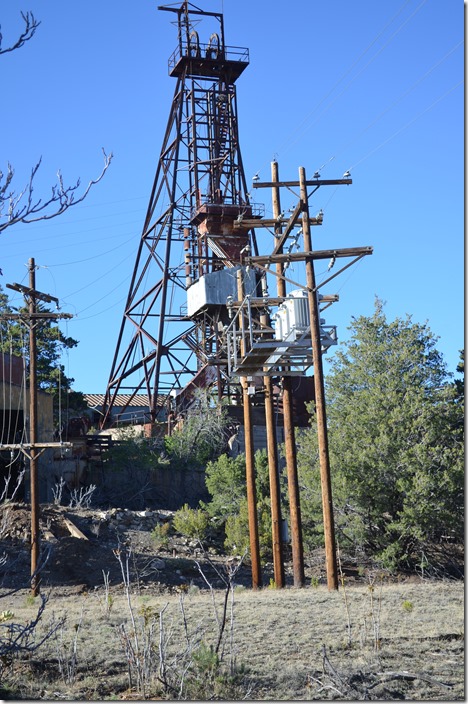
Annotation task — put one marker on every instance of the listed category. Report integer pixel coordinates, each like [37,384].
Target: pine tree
[51,342]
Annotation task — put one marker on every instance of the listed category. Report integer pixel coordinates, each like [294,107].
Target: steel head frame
[198,191]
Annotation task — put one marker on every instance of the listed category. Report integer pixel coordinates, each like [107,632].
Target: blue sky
[374,87]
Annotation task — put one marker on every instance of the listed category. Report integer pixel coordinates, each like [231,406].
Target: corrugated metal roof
[138,401]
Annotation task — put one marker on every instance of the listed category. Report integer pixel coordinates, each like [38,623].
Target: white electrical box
[213,289]
[292,318]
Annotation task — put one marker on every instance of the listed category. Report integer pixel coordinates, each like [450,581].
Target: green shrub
[237,531]
[191,522]
[208,678]
[160,534]
[396,440]
[225,481]
[201,436]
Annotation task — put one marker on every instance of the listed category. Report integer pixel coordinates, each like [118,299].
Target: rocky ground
[84,547]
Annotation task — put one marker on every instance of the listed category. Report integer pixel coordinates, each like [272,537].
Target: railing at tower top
[235,212]
[208,60]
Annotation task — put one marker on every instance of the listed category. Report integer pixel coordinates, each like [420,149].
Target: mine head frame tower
[199,312]
[199,191]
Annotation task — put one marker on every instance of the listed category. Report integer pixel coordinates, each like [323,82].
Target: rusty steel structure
[199,313]
[199,190]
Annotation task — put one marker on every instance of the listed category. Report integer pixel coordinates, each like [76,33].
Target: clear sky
[374,87]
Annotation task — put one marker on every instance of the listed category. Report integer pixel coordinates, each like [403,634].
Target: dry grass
[294,644]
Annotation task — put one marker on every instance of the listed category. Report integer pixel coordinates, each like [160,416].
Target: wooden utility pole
[275,494]
[35,448]
[288,422]
[328,521]
[308,256]
[33,438]
[249,458]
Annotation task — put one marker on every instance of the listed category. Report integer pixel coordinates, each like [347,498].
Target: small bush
[208,678]
[237,531]
[160,534]
[191,522]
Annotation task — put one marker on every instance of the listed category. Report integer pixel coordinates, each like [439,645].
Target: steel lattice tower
[199,190]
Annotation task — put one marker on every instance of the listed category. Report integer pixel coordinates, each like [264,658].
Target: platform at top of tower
[209,62]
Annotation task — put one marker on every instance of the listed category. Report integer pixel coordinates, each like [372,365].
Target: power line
[298,131]
[400,98]
[408,124]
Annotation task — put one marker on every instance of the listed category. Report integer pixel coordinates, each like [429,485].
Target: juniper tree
[396,442]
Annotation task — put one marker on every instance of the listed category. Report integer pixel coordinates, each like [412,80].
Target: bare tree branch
[23,207]
[31,24]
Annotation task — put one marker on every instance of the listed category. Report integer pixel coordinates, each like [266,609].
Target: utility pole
[249,460]
[273,473]
[275,494]
[328,521]
[33,438]
[35,448]
[288,424]
[308,257]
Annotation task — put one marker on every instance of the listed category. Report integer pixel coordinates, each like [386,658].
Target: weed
[148,614]
[375,609]
[82,497]
[423,564]
[407,605]
[67,652]
[108,600]
[139,642]
[207,677]
[345,597]
[57,492]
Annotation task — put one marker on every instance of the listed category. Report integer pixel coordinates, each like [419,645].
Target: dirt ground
[329,646]
[74,564]
[71,564]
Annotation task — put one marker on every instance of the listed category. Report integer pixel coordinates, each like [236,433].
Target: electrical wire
[61,246]
[100,278]
[106,309]
[408,124]
[399,99]
[299,131]
[390,107]
[88,259]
